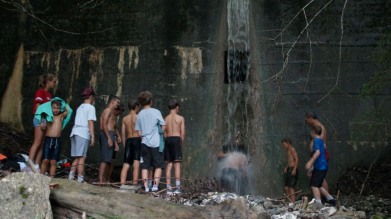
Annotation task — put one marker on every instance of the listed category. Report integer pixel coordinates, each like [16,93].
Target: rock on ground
[25,195]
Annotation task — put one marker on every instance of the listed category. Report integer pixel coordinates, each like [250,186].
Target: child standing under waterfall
[107,136]
[83,134]
[291,172]
[147,124]
[319,164]
[174,138]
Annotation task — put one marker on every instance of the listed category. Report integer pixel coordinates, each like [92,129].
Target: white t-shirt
[84,113]
[147,120]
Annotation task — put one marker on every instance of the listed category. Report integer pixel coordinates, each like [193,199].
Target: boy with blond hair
[147,124]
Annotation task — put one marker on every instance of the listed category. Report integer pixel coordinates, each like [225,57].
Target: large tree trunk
[73,199]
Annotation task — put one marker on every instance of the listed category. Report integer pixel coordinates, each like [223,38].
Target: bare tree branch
[340,56]
[32,14]
[286,55]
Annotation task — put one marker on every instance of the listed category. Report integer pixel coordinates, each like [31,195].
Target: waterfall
[233,170]
[237,71]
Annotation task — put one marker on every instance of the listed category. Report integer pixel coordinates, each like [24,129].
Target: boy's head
[113,101]
[286,142]
[56,107]
[172,104]
[145,98]
[133,105]
[310,117]
[87,93]
[318,130]
[119,109]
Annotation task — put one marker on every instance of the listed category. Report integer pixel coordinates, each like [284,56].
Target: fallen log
[73,199]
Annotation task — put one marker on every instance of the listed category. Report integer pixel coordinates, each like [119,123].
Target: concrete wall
[176,49]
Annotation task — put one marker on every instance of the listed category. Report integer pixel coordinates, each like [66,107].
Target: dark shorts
[105,151]
[51,148]
[290,180]
[151,157]
[173,149]
[317,178]
[114,154]
[132,150]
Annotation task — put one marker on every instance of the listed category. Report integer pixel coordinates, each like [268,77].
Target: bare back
[292,157]
[175,125]
[128,124]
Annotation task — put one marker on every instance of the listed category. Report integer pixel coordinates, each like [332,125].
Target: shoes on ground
[177,191]
[169,192]
[155,188]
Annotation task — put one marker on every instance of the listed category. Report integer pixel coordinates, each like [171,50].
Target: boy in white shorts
[83,134]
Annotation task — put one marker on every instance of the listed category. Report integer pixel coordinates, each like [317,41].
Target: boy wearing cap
[82,135]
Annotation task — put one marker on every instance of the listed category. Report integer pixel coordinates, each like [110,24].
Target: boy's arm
[123,131]
[183,133]
[310,163]
[119,139]
[296,159]
[92,133]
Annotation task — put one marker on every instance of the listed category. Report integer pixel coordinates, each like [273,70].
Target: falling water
[233,168]
[238,65]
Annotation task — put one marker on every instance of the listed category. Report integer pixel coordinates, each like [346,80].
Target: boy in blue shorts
[107,137]
[51,148]
[147,124]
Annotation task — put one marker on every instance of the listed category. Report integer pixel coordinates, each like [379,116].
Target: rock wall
[301,59]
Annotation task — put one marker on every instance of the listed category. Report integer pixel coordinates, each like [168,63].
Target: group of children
[142,139]
[316,166]
[151,142]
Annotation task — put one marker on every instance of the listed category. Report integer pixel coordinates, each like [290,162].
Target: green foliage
[382,57]
[22,192]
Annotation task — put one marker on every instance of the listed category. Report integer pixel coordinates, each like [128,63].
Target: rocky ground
[365,189]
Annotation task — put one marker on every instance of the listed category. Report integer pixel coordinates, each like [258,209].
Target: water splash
[233,173]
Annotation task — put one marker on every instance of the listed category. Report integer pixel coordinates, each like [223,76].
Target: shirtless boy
[291,172]
[174,138]
[117,138]
[132,145]
[52,143]
[107,136]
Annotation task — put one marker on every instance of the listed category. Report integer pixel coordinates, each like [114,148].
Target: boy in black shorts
[319,163]
[147,125]
[132,146]
[175,136]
